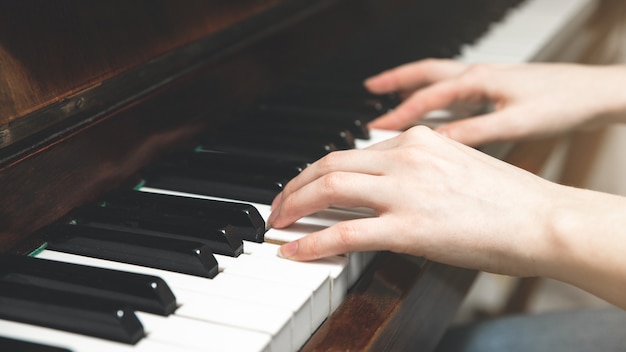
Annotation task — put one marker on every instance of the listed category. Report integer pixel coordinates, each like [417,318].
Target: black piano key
[368,106]
[337,89]
[242,216]
[239,163]
[250,188]
[342,138]
[140,292]
[12,345]
[354,122]
[70,312]
[221,239]
[290,148]
[339,106]
[181,256]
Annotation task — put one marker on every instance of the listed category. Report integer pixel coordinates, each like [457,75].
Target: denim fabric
[590,329]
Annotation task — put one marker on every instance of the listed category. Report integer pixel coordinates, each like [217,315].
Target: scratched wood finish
[393,307]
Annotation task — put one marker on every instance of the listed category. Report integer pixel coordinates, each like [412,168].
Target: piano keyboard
[256,301]
[536,30]
[531,33]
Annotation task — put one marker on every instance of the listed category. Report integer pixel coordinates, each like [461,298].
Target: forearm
[608,94]
[587,243]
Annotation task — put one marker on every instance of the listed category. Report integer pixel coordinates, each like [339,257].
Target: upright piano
[112,111]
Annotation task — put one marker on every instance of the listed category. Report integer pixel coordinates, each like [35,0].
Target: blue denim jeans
[590,329]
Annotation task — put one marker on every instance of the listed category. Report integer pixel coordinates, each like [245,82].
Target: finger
[357,161]
[394,142]
[341,189]
[493,127]
[438,96]
[414,75]
[348,236]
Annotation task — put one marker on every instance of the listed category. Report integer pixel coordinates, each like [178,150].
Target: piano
[103,105]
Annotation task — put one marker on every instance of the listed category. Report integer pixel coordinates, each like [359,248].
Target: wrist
[586,243]
[610,94]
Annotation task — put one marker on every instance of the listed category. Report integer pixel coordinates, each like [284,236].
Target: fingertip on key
[288,250]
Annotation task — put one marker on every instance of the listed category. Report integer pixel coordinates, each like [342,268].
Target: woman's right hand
[528,100]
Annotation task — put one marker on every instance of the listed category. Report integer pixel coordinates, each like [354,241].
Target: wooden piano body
[92,92]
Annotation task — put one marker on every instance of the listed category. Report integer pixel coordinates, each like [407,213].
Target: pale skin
[436,197]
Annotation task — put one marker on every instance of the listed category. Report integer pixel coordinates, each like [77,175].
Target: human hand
[433,197]
[528,100]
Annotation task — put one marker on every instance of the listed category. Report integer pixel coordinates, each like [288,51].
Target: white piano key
[316,222]
[264,249]
[295,299]
[306,225]
[368,257]
[376,136]
[81,343]
[287,272]
[313,222]
[273,294]
[526,31]
[355,267]
[274,321]
[336,265]
[294,232]
[202,335]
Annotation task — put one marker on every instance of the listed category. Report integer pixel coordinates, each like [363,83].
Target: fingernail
[272,218]
[275,209]
[288,250]
[277,200]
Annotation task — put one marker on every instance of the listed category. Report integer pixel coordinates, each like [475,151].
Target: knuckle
[287,188]
[288,204]
[313,247]
[421,129]
[329,162]
[332,183]
[346,235]
[417,133]
[480,70]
